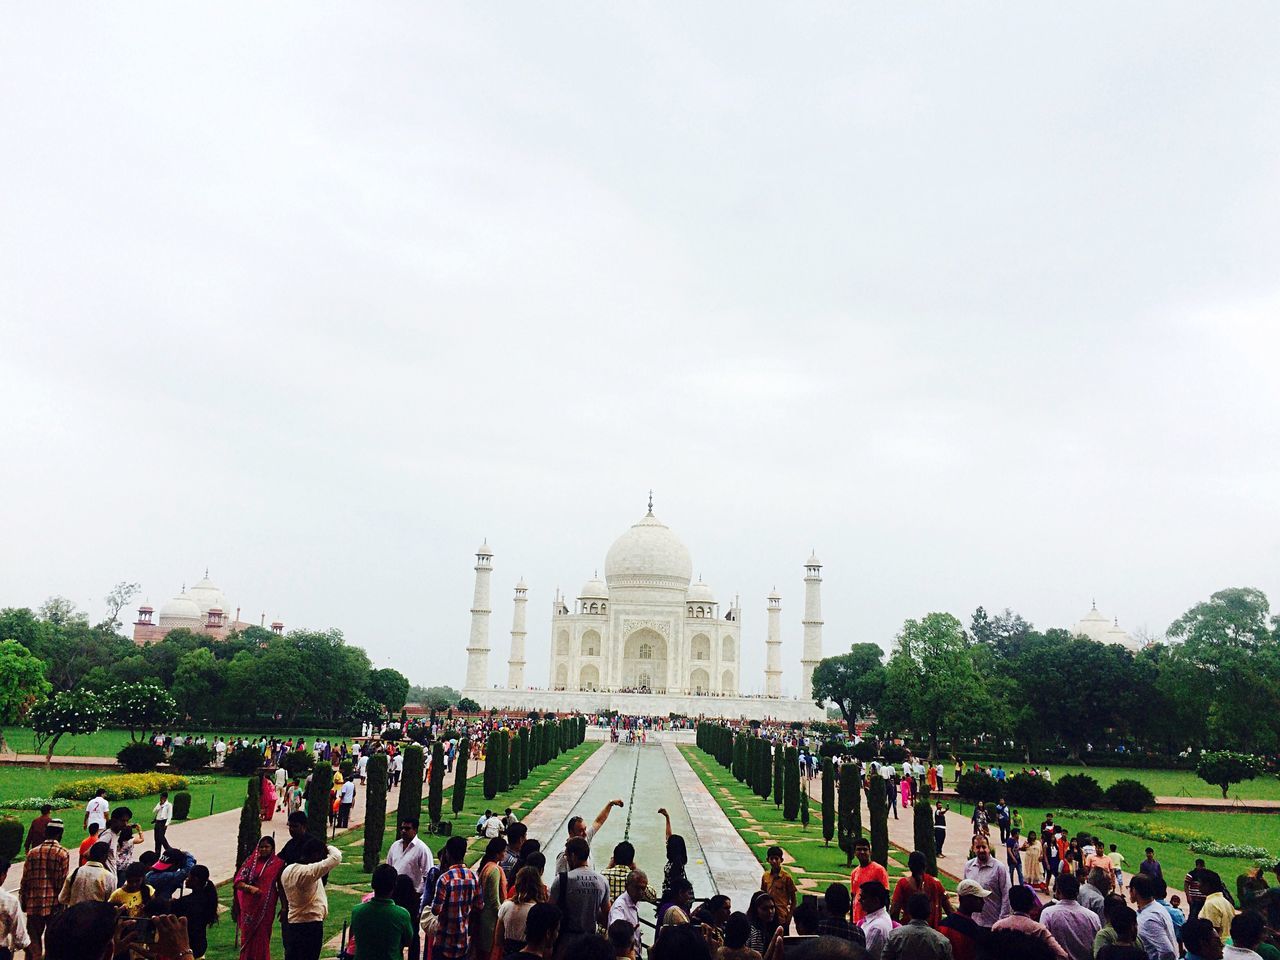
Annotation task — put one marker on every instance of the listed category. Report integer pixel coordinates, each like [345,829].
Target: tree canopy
[853,681]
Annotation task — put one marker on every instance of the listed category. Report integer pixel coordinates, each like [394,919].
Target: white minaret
[478,645]
[812,625]
[773,648]
[515,665]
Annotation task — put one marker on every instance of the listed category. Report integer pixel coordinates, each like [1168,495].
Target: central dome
[648,555]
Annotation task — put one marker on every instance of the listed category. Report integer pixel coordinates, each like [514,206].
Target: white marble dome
[701,593]
[208,597]
[594,589]
[181,611]
[648,555]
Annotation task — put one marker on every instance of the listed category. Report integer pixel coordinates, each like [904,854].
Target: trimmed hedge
[460,759]
[298,763]
[120,786]
[979,786]
[250,821]
[410,803]
[318,799]
[140,757]
[1078,791]
[1129,796]
[190,758]
[375,816]
[1024,790]
[245,761]
[11,831]
[182,805]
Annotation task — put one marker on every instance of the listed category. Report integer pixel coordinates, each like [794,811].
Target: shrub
[828,800]
[375,817]
[791,784]
[1130,796]
[197,756]
[1079,791]
[1240,851]
[490,767]
[831,748]
[435,792]
[140,757]
[922,833]
[979,786]
[411,782]
[120,786]
[35,803]
[250,821]
[878,814]
[442,829]
[298,763]
[11,830]
[245,761]
[181,805]
[347,768]
[1024,790]
[460,760]
[318,799]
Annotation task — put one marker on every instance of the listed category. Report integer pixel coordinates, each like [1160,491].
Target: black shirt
[200,907]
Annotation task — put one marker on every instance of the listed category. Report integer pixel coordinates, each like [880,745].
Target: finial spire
[651,503]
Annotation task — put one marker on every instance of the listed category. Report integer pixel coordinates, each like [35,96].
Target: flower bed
[35,803]
[1158,832]
[120,786]
[1244,851]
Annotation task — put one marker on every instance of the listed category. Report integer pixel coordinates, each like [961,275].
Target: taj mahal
[647,639]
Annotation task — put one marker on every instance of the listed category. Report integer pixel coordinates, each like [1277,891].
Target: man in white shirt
[1155,926]
[397,768]
[362,767]
[876,925]
[161,814]
[493,826]
[95,811]
[409,855]
[219,751]
[306,905]
[578,828]
[13,922]
[626,907]
[346,800]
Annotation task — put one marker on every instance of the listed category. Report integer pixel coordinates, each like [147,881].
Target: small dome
[1094,625]
[813,560]
[648,555]
[484,550]
[521,585]
[180,611]
[207,596]
[774,595]
[594,589]
[701,593]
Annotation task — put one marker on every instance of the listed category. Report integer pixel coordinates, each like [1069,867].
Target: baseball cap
[971,888]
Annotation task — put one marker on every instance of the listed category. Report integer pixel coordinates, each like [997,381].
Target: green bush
[35,803]
[140,757]
[1130,796]
[197,756]
[1024,790]
[298,763]
[460,760]
[1079,791]
[347,768]
[250,821]
[181,805]
[120,786]
[1222,768]
[790,783]
[375,816]
[828,800]
[1239,851]
[979,786]
[411,782]
[11,831]
[245,761]
[1157,832]
[435,789]
[491,766]
[922,832]
[318,799]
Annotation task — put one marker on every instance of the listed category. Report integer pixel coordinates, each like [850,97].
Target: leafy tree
[460,776]
[932,687]
[121,595]
[1222,768]
[389,687]
[434,698]
[375,817]
[22,683]
[67,713]
[139,708]
[198,682]
[1005,634]
[853,681]
[62,612]
[467,705]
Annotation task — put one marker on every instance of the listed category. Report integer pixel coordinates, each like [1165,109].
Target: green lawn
[348,883]
[107,743]
[1262,830]
[1166,783]
[761,825]
[17,782]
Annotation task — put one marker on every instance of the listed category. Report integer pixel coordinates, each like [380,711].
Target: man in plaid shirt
[458,896]
[42,878]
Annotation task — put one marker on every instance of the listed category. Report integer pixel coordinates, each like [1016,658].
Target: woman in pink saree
[268,805]
[255,900]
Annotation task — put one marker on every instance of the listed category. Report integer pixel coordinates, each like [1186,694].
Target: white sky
[980,300]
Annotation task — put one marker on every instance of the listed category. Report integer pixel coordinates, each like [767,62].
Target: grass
[17,782]
[1176,859]
[107,743]
[1168,783]
[348,883]
[759,822]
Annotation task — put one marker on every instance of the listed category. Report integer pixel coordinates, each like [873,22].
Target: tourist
[626,906]
[346,800]
[121,837]
[978,819]
[95,811]
[964,933]
[1032,862]
[1247,931]
[381,928]
[1013,853]
[677,904]
[92,881]
[1100,860]
[581,893]
[778,883]
[674,942]
[713,913]
[13,922]
[1072,924]
[939,826]
[527,891]
[867,871]
[992,875]
[35,832]
[168,872]
[1125,946]
[161,814]
[493,887]
[255,899]
[579,828]
[1171,907]
[457,895]
[200,907]
[1191,885]
[44,874]
[134,898]
[917,881]
[737,931]
[1022,901]
[764,921]
[491,829]
[917,939]
[409,856]
[677,856]
[621,865]
[516,835]
[876,924]
[542,930]
[1155,928]
[1215,908]
[1002,819]
[87,843]
[1151,866]
[1201,939]
[1093,892]
[836,904]
[307,905]
[622,939]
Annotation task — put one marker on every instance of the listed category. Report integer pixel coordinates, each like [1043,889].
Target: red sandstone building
[202,609]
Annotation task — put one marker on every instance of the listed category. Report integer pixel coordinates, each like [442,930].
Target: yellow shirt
[1219,912]
[783,891]
[130,901]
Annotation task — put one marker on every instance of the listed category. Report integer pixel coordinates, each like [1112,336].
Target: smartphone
[146,929]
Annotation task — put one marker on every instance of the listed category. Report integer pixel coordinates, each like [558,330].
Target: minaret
[773,648]
[478,645]
[515,665]
[812,625]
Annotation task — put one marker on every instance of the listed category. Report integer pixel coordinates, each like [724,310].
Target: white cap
[971,888]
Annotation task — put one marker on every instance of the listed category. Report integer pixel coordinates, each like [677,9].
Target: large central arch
[644,661]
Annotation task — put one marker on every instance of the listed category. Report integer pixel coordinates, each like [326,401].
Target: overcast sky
[980,301]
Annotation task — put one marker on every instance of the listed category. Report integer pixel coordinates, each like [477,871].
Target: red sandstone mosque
[202,609]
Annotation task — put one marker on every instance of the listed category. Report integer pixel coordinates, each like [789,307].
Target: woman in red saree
[267,805]
[255,900]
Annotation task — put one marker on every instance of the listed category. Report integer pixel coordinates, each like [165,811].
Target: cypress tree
[504,762]
[460,776]
[922,829]
[764,768]
[791,784]
[849,787]
[375,811]
[878,812]
[779,775]
[318,799]
[828,800]
[435,791]
[524,753]
[411,775]
[491,767]
[250,821]
[804,810]
[740,758]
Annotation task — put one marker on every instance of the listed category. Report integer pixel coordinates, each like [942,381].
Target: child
[134,897]
[1117,858]
[781,888]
